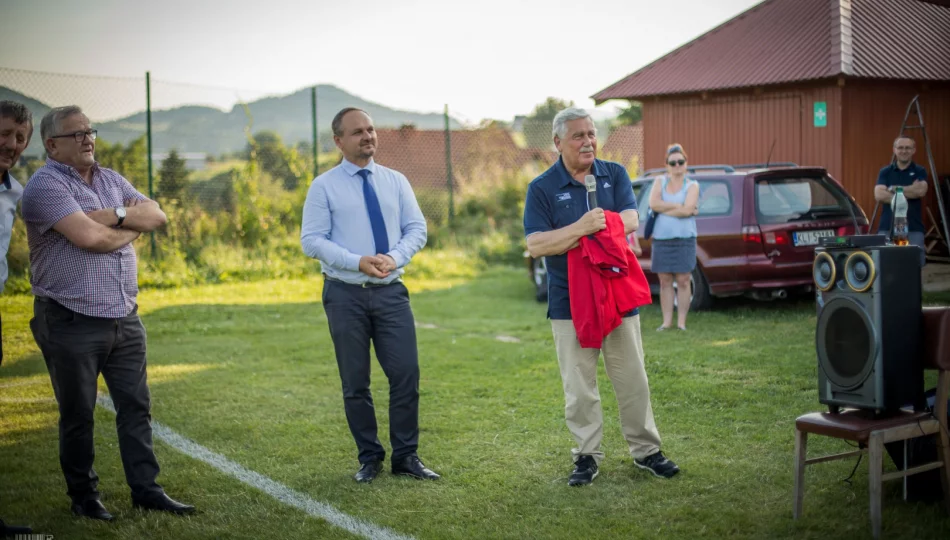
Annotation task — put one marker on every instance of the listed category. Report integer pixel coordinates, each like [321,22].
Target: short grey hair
[51,121]
[559,126]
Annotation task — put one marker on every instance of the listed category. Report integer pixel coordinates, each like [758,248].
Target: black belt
[48,300]
[365,285]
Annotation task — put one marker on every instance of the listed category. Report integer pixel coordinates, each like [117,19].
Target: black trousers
[76,349]
[357,316]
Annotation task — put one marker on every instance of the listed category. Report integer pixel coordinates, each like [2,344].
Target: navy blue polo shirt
[555,200]
[893,176]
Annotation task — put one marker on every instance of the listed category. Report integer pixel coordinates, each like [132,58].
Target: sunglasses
[676,162]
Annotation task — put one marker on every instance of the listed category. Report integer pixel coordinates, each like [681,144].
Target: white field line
[273,488]
[28,400]
[21,383]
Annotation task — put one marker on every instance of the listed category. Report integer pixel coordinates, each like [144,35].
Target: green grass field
[247,370]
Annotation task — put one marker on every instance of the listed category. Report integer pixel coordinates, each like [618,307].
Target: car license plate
[811,238]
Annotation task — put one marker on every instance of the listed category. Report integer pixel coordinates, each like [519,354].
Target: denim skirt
[673,256]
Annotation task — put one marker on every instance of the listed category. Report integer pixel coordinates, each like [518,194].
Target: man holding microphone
[558,213]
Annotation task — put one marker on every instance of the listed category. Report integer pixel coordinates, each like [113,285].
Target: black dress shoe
[92,509]
[412,466]
[163,503]
[368,472]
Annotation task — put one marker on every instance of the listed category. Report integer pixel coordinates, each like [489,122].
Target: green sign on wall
[821,114]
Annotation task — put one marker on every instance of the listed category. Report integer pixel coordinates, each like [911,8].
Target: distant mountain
[204,129]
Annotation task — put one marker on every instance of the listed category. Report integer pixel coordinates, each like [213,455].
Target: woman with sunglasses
[674,201]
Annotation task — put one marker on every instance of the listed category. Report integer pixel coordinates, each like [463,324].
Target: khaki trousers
[623,360]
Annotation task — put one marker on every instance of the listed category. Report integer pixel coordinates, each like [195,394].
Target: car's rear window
[785,200]
[715,198]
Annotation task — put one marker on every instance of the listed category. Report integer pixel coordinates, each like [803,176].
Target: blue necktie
[375,214]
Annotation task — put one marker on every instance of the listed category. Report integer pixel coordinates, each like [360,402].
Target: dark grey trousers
[356,316]
[76,349]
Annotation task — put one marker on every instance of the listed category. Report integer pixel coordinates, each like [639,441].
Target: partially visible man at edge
[16,128]
[81,221]
[555,219]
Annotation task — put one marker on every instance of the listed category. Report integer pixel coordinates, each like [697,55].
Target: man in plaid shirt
[81,220]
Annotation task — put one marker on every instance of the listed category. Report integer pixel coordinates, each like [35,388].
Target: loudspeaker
[868,332]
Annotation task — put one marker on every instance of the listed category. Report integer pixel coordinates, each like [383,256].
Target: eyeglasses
[79,136]
[676,162]
[903,148]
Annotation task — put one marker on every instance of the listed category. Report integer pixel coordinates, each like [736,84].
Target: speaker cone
[846,342]
[824,271]
[859,271]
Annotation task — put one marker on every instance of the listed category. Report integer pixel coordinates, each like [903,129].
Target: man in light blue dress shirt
[16,128]
[362,221]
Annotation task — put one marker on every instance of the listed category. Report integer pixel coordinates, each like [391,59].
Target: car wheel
[702,298]
[539,270]
[699,298]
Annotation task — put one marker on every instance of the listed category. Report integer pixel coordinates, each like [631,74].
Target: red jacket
[605,282]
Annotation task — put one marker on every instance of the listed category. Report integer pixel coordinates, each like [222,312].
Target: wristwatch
[120,213]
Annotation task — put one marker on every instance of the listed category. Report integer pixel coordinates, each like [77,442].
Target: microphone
[591,183]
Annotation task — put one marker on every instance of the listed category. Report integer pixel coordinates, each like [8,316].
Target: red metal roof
[476,154]
[783,41]
[901,39]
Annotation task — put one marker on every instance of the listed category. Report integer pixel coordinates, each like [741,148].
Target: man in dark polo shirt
[81,220]
[913,178]
[556,216]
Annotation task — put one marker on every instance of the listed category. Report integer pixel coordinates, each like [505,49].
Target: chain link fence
[231,167]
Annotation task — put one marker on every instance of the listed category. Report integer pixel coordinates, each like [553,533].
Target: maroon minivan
[757,229]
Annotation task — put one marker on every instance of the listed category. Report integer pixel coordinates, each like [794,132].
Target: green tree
[172,177]
[631,115]
[131,161]
[283,164]
[537,126]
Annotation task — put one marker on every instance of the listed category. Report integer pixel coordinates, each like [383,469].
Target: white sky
[486,59]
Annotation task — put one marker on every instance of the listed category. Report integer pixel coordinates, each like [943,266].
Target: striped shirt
[94,284]
[336,227]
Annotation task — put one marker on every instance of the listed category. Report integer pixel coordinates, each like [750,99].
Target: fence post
[448,165]
[148,138]
[313,123]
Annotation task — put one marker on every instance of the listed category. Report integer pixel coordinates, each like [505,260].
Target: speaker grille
[846,342]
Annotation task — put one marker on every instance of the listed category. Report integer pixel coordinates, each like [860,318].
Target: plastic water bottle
[899,211]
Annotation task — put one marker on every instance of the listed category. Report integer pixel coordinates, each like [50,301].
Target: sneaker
[657,464]
[585,470]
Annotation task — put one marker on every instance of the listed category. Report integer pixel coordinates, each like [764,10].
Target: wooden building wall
[863,118]
[873,114]
[742,126]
